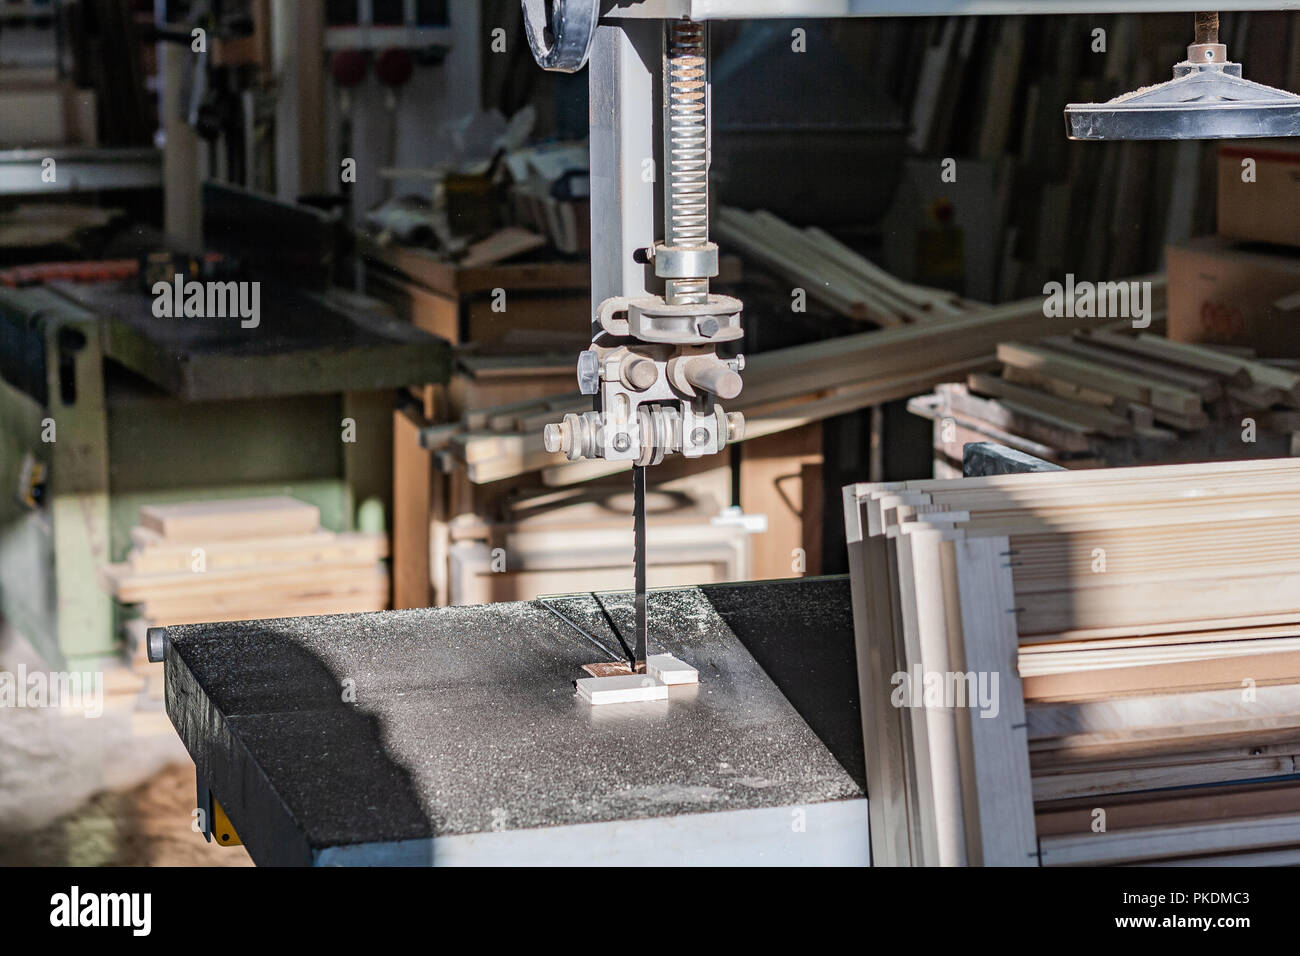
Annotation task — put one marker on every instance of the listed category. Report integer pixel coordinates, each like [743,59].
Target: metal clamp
[651,319]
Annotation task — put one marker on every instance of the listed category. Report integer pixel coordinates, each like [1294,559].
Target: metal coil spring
[687,181]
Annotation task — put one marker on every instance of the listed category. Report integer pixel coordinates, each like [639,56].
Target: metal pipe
[710,375]
[1207,28]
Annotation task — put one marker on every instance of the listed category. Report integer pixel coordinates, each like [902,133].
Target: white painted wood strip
[999,744]
[621,689]
[670,671]
[936,595]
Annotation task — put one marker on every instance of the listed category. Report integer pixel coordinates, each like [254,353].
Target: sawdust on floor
[149,825]
[115,790]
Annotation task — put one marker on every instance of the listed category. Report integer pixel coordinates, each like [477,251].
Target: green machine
[105,406]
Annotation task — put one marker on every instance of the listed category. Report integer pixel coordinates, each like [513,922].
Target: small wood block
[621,689]
[608,668]
[670,670]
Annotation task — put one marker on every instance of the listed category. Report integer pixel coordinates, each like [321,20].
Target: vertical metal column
[623,73]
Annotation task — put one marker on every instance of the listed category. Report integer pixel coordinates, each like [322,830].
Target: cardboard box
[1224,293]
[1268,209]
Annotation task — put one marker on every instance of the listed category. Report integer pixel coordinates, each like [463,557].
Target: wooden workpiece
[669,670]
[614,682]
[621,689]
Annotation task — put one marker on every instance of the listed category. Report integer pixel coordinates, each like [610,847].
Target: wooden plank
[1096,419]
[1060,433]
[503,244]
[1060,388]
[1209,387]
[433,312]
[227,519]
[1218,671]
[413,476]
[886,799]
[322,546]
[352,602]
[1154,843]
[1003,833]
[189,585]
[438,275]
[1124,385]
[825,283]
[935,736]
[1201,805]
[1178,710]
[772,472]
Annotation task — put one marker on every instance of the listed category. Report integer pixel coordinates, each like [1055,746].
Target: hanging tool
[1207,99]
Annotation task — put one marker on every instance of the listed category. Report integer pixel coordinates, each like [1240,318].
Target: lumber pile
[1069,647]
[246,559]
[1106,397]
[784,388]
[831,272]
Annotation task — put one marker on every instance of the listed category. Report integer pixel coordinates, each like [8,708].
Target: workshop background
[412,194]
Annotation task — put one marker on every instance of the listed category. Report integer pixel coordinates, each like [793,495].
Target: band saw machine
[463,740]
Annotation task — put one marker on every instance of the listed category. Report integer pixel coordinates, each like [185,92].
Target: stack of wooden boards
[246,559]
[1128,644]
[1103,397]
[831,272]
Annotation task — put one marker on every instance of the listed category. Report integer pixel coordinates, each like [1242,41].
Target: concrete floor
[95,791]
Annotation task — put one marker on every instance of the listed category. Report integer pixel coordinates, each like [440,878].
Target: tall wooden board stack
[1096,667]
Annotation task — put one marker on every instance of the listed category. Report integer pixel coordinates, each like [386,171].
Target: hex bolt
[708,327]
[699,436]
[622,442]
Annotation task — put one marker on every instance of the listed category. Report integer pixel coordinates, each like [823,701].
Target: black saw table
[454,736]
